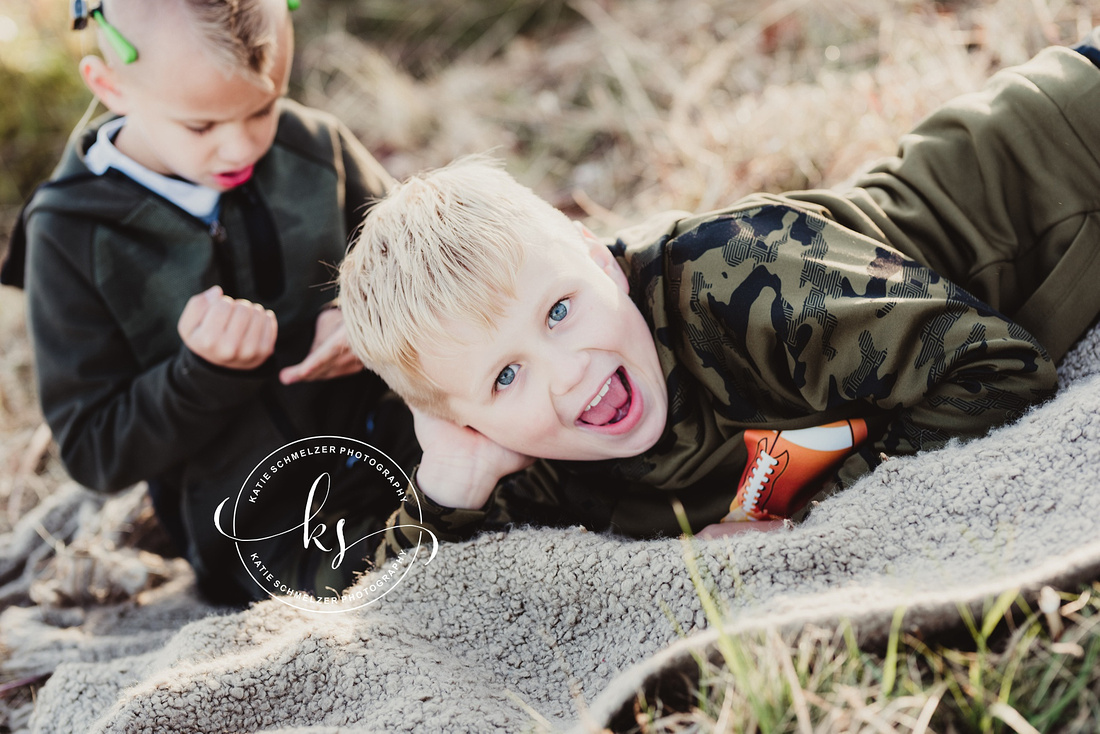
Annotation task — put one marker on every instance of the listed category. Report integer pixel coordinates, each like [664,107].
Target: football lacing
[760,474]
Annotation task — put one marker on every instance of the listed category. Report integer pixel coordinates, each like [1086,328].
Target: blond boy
[741,360]
[175,264]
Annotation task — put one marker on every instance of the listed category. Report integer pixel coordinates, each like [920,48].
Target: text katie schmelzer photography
[280,512]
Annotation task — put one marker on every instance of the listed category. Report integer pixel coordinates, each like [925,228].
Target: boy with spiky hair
[174,266]
[741,360]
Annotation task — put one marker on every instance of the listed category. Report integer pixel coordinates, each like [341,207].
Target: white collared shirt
[195,199]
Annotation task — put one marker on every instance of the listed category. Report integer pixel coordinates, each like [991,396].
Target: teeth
[603,391]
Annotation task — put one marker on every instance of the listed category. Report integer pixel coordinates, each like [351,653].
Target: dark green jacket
[109,268]
[772,316]
[883,302]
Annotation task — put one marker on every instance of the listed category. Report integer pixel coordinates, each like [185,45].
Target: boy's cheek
[461,418]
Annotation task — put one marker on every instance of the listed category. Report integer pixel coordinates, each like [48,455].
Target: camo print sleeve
[790,313]
[546,493]
[536,494]
[406,525]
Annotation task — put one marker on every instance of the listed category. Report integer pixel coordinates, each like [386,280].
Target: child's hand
[461,467]
[329,356]
[228,332]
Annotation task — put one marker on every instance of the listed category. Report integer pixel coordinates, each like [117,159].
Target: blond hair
[238,36]
[441,248]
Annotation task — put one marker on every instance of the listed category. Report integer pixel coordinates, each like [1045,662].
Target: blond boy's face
[186,117]
[570,372]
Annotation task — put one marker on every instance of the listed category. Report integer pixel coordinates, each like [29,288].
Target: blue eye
[558,313]
[504,379]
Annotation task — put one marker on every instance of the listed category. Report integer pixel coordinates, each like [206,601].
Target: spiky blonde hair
[441,248]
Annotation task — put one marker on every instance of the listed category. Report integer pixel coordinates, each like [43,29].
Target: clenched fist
[228,332]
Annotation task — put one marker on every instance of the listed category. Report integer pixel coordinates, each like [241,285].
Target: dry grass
[1018,669]
[648,104]
[29,469]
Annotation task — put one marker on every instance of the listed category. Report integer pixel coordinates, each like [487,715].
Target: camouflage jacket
[109,267]
[770,317]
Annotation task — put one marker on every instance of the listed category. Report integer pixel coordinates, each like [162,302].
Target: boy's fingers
[255,343]
[310,366]
[213,322]
[271,330]
[330,359]
[239,319]
[258,341]
[301,371]
[228,332]
[195,310]
[192,315]
[220,333]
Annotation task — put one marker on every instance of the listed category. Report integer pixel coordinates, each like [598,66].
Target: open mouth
[234,178]
[611,404]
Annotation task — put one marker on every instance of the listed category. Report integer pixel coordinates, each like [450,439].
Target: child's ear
[103,82]
[603,257]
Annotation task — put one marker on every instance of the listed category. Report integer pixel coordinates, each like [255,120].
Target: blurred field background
[611,109]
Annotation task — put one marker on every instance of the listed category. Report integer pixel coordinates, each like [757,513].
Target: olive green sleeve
[544,494]
[791,313]
[406,527]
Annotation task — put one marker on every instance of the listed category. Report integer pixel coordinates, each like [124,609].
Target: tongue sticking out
[612,407]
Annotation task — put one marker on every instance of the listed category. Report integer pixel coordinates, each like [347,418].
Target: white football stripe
[822,438]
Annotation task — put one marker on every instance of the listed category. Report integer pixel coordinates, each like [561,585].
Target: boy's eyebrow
[214,121]
[266,108]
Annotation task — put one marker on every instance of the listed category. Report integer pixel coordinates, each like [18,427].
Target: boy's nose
[239,147]
[568,371]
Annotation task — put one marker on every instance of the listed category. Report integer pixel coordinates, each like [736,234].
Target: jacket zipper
[223,256]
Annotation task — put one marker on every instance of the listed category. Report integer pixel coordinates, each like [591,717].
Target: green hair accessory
[124,49]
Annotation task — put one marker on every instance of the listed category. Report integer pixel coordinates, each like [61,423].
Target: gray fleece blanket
[555,629]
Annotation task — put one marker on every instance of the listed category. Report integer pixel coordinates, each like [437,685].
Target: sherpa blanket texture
[510,629]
